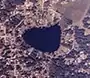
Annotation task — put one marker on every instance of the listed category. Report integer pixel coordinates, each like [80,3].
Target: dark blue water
[45,39]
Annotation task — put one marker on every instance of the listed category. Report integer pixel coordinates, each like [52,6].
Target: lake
[43,39]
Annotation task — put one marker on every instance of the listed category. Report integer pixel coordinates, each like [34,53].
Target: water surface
[45,39]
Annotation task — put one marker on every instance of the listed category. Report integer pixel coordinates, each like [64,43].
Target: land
[19,60]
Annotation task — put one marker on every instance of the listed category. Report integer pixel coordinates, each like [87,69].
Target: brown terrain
[71,59]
